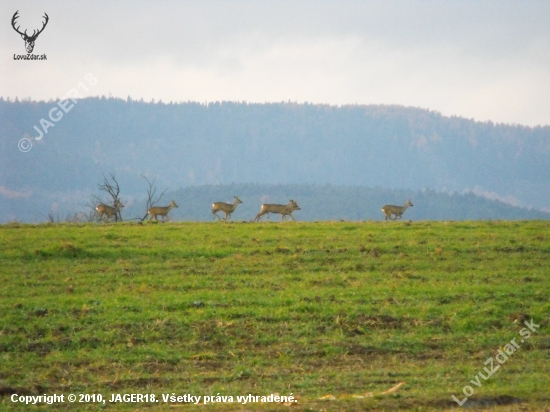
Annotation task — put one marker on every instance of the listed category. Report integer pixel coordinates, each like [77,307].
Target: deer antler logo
[29,40]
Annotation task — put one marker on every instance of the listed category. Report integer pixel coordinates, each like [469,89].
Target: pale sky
[486,60]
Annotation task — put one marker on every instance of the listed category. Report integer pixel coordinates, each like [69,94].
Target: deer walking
[159,210]
[396,210]
[281,209]
[227,208]
[108,211]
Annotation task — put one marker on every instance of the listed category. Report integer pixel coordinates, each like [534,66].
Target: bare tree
[91,215]
[151,192]
[51,217]
[73,216]
[113,190]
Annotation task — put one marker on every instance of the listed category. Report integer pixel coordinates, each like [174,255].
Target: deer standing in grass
[106,212]
[396,210]
[227,208]
[281,209]
[159,210]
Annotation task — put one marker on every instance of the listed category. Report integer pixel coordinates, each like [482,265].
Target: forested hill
[187,144]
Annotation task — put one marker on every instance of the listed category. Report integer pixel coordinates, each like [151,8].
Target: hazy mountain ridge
[274,143]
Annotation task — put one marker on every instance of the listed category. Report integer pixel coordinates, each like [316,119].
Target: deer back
[282,209]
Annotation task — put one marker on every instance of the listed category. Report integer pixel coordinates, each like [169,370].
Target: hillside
[192,144]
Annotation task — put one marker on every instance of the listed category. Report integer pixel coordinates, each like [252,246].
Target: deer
[29,40]
[159,210]
[281,209]
[108,211]
[227,208]
[396,210]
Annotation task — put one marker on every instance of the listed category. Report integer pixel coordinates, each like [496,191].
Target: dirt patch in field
[8,391]
[42,348]
[282,250]
[481,402]
[367,350]
[375,253]
[382,321]
[138,383]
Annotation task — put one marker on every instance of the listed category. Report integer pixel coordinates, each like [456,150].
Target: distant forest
[189,145]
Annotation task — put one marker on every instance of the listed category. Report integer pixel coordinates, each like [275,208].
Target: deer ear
[23,36]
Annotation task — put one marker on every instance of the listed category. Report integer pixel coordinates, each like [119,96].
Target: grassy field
[330,309]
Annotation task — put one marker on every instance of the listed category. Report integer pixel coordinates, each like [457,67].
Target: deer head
[29,40]
[294,205]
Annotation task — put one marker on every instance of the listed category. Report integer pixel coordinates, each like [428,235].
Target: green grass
[304,308]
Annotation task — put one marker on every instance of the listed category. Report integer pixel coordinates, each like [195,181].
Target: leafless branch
[113,190]
[51,217]
[151,191]
[91,215]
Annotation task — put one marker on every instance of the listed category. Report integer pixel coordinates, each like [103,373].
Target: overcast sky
[487,60]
